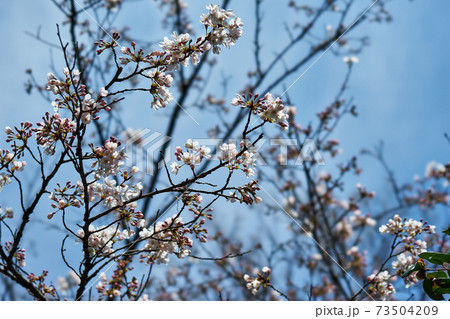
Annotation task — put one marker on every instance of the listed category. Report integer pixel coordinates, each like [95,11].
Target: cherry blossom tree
[159,232]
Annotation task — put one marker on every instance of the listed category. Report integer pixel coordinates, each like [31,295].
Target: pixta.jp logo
[143,148]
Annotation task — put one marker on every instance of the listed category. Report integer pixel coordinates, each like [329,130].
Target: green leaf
[412,269]
[435,258]
[447,231]
[442,282]
[428,288]
[441,285]
[437,274]
[442,291]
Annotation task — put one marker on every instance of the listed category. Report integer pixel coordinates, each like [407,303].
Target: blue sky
[400,85]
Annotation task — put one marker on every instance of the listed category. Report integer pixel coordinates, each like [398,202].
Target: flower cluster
[394,226]
[330,114]
[350,60]
[168,237]
[101,287]
[434,169]
[39,282]
[380,286]
[156,59]
[102,239]
[5,179]
[9,213]
[104,45]
[71,100]
[245,194]
[228,152]
[269,108]
[159,88]
[345,227]
[245,161]
[64,284]
[19,138]
[114,195]
[7,159]
[326,287]
[19,254]
[113,4]
[193,155]
[261,280]
[65,196]
[193,201]
[19,134]
[402,264]
[159,64]
[332,147]
[225,28]
[109,158]
[406,229]
[222,30]
[433,189]
[58,87]
[90,106]
[363,192]
[54,128]
[181,49]
[18,166]
[358,261]
[118,281]
[273,111]
[358,219]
